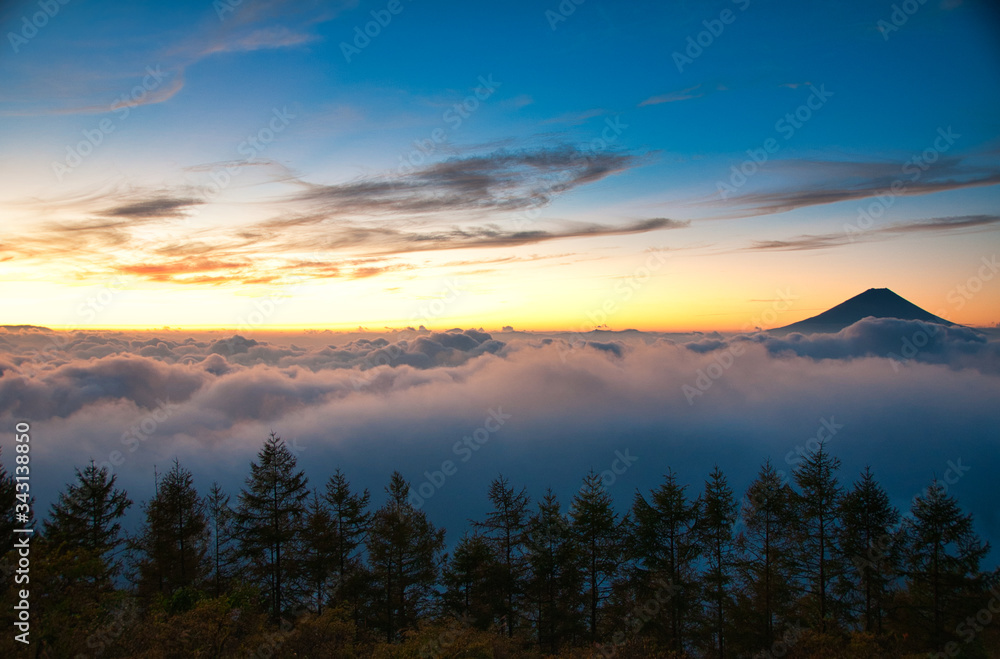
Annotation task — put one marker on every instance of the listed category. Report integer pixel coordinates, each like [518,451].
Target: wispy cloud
[360,228]
[828,182]
[263,39]
[673,97]
[499,181]
[153,207]
[830,240]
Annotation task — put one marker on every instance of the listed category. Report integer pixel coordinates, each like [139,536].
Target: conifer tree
[8,500]
[270,519]
[665,547]
[819,556]
[871,557]
[472,582]
[223,556]
[317,562]
[718,514]
[942,554]
[556,578]
[404,553]
[598,532]
[767,566]
[504,528]
[173,541]
[10,505]
[350,518]
[86,517]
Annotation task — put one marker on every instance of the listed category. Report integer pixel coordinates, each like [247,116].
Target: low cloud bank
[568,403]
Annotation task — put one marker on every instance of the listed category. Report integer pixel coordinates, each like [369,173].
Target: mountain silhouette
[877,302]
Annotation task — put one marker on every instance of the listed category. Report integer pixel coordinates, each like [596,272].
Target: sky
[537,165]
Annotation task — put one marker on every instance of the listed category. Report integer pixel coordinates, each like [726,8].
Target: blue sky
[634,124]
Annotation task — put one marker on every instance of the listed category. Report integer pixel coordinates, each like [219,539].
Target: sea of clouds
[453,409]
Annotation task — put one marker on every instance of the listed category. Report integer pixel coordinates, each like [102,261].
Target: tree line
[799,567]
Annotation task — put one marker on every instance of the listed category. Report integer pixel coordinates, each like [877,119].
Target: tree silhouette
[404,551]
[598,532]
[173,541]
[866,538]
[664,543]
[818,528]
[504,529]
[87,517]
[350,518]
[269,519]
[767,566]
[556,578]
[223,550]
[718,514]
[473,582]
[941,561]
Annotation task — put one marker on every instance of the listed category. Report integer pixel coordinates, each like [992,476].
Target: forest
[808,565]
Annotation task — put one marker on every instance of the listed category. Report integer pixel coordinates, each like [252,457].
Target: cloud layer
[406,400]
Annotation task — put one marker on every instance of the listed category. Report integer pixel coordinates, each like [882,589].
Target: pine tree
[555,581]
[665,546]
[942,554]
[505,528]
[10,506]
[767,566]
[868,523]
[269,519]
[598,532]
[223,555]
[819,499]
[173,542]
[86,517]
[8,500]
[351,518]
[404,552]
[472,580]
[317,562]
[718,516]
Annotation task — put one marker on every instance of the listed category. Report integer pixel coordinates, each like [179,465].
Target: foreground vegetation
[806,568]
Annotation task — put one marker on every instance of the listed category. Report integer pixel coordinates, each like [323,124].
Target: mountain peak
[876,302]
